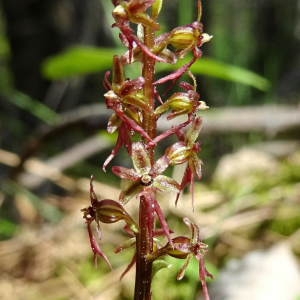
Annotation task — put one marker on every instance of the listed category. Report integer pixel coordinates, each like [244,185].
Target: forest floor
[252,202]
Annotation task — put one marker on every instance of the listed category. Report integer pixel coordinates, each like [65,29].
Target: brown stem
[149,119]
[144,246]
[144,242]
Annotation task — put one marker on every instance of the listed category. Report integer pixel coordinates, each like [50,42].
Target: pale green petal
[140,158]
[166,184]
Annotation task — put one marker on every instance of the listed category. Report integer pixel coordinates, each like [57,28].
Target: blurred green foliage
[7,229]
[166,286]
[82,60]
[33,107]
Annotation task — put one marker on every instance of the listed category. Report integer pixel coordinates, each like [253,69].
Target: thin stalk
[149,119]
[144,242]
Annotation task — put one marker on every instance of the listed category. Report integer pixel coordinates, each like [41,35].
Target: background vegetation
[53,55]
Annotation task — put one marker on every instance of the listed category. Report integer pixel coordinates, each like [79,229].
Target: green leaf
[82,60]
[7,229]
[34,107]
[217,69]
[78,60]
[158,265]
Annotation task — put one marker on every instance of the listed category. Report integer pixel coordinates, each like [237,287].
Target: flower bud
[182,37]
[178,153]
[181,247]
[110,211]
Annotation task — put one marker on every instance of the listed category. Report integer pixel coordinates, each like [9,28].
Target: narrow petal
[163,222]
[93,196]
[194,131]
[127,244]
[95,247]
[196,165]
[131,86]
[182,270]
[186,180]
[113,124]
[125,173]
[140,158]
[202,275]
[166,184]
[130,191]
[131,264]
[160,166]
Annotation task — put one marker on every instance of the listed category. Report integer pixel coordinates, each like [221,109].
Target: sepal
[111,211]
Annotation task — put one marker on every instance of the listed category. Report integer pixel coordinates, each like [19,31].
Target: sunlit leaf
[82,60]
[217,69]
[158,265]
[78,60]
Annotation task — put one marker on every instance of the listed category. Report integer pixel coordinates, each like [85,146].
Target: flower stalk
[137,106]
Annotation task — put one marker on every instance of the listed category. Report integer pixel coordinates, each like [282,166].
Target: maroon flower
[143,175]
[187,151]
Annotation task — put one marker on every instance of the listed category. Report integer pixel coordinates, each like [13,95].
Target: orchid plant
[137,106]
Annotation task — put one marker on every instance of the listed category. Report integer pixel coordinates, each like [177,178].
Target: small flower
[143,175]
[105,211]
[186,248]
[186,151]
[126,98]
[134,11]
[181,103]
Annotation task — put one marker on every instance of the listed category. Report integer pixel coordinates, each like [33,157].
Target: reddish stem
[144,246]
[144,242]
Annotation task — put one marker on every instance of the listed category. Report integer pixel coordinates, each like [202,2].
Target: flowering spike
[138,104]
